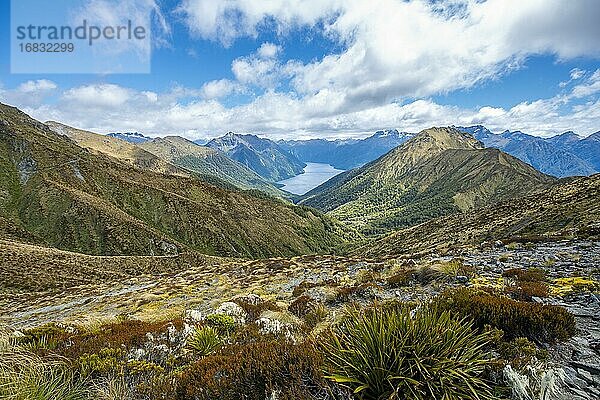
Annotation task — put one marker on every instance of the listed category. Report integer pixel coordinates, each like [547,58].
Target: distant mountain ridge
[263,156]
[208,161]
[131,137]
[346,153]
[560,156]
[437,172]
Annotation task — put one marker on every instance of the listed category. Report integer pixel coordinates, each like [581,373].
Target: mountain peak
[444,138]
[594,137]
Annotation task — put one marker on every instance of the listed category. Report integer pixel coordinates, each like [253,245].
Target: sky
[297,69]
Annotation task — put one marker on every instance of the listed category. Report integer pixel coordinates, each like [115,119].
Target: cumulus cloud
[102,96]
[29,93]
[106,108]
[220,88]
[590,87]
[396,50]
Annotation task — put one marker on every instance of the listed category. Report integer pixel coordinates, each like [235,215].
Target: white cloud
[107,108]
[29,93]
[262,68]
[397,50]
[146,13]
[268,50]
[219,88]
[41,85]
[395,55]
[590,87]
[102,96]
[577,73]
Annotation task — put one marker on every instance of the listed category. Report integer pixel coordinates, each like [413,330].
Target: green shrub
[43,337]
[537,322]
[205,341]
[349,293]
[383,353]
[317,315]
[222,323]
[456,267]
[253,371]
[106,361]
[402,278]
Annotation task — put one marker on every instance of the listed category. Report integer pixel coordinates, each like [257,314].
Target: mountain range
[208,162]
[172,155]
[346,154]
[560,156]
[56,193]
[263,156]
[437,172]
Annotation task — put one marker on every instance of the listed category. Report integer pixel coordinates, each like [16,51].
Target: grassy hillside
[207,161]
[570,208]
[117,148]
[438,172]
[64,196]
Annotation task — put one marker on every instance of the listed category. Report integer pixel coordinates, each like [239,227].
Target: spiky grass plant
[26,376]
[385,353]
[205,341]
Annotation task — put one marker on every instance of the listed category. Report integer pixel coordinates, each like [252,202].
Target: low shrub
[126,334]
[384,353]
[573,285]
[316,316]
[455,268]
[526,275]
[520,352]
[223,324]
[25,375]
[345,294]
[538,322]
[424,276]
[106,361]
[401,279]
[525,291]
[44,337]
[255,371]
[255,310]
[302,306]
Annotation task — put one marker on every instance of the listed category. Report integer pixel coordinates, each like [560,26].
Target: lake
[314,174]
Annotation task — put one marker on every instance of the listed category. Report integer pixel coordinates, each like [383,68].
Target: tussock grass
[385,353]
[26,376]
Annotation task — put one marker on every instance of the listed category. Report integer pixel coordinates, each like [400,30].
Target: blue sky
[333,68]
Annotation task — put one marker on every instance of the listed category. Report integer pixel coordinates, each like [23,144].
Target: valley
[157,257]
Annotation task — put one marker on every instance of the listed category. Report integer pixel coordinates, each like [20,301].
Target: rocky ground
[335,281]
